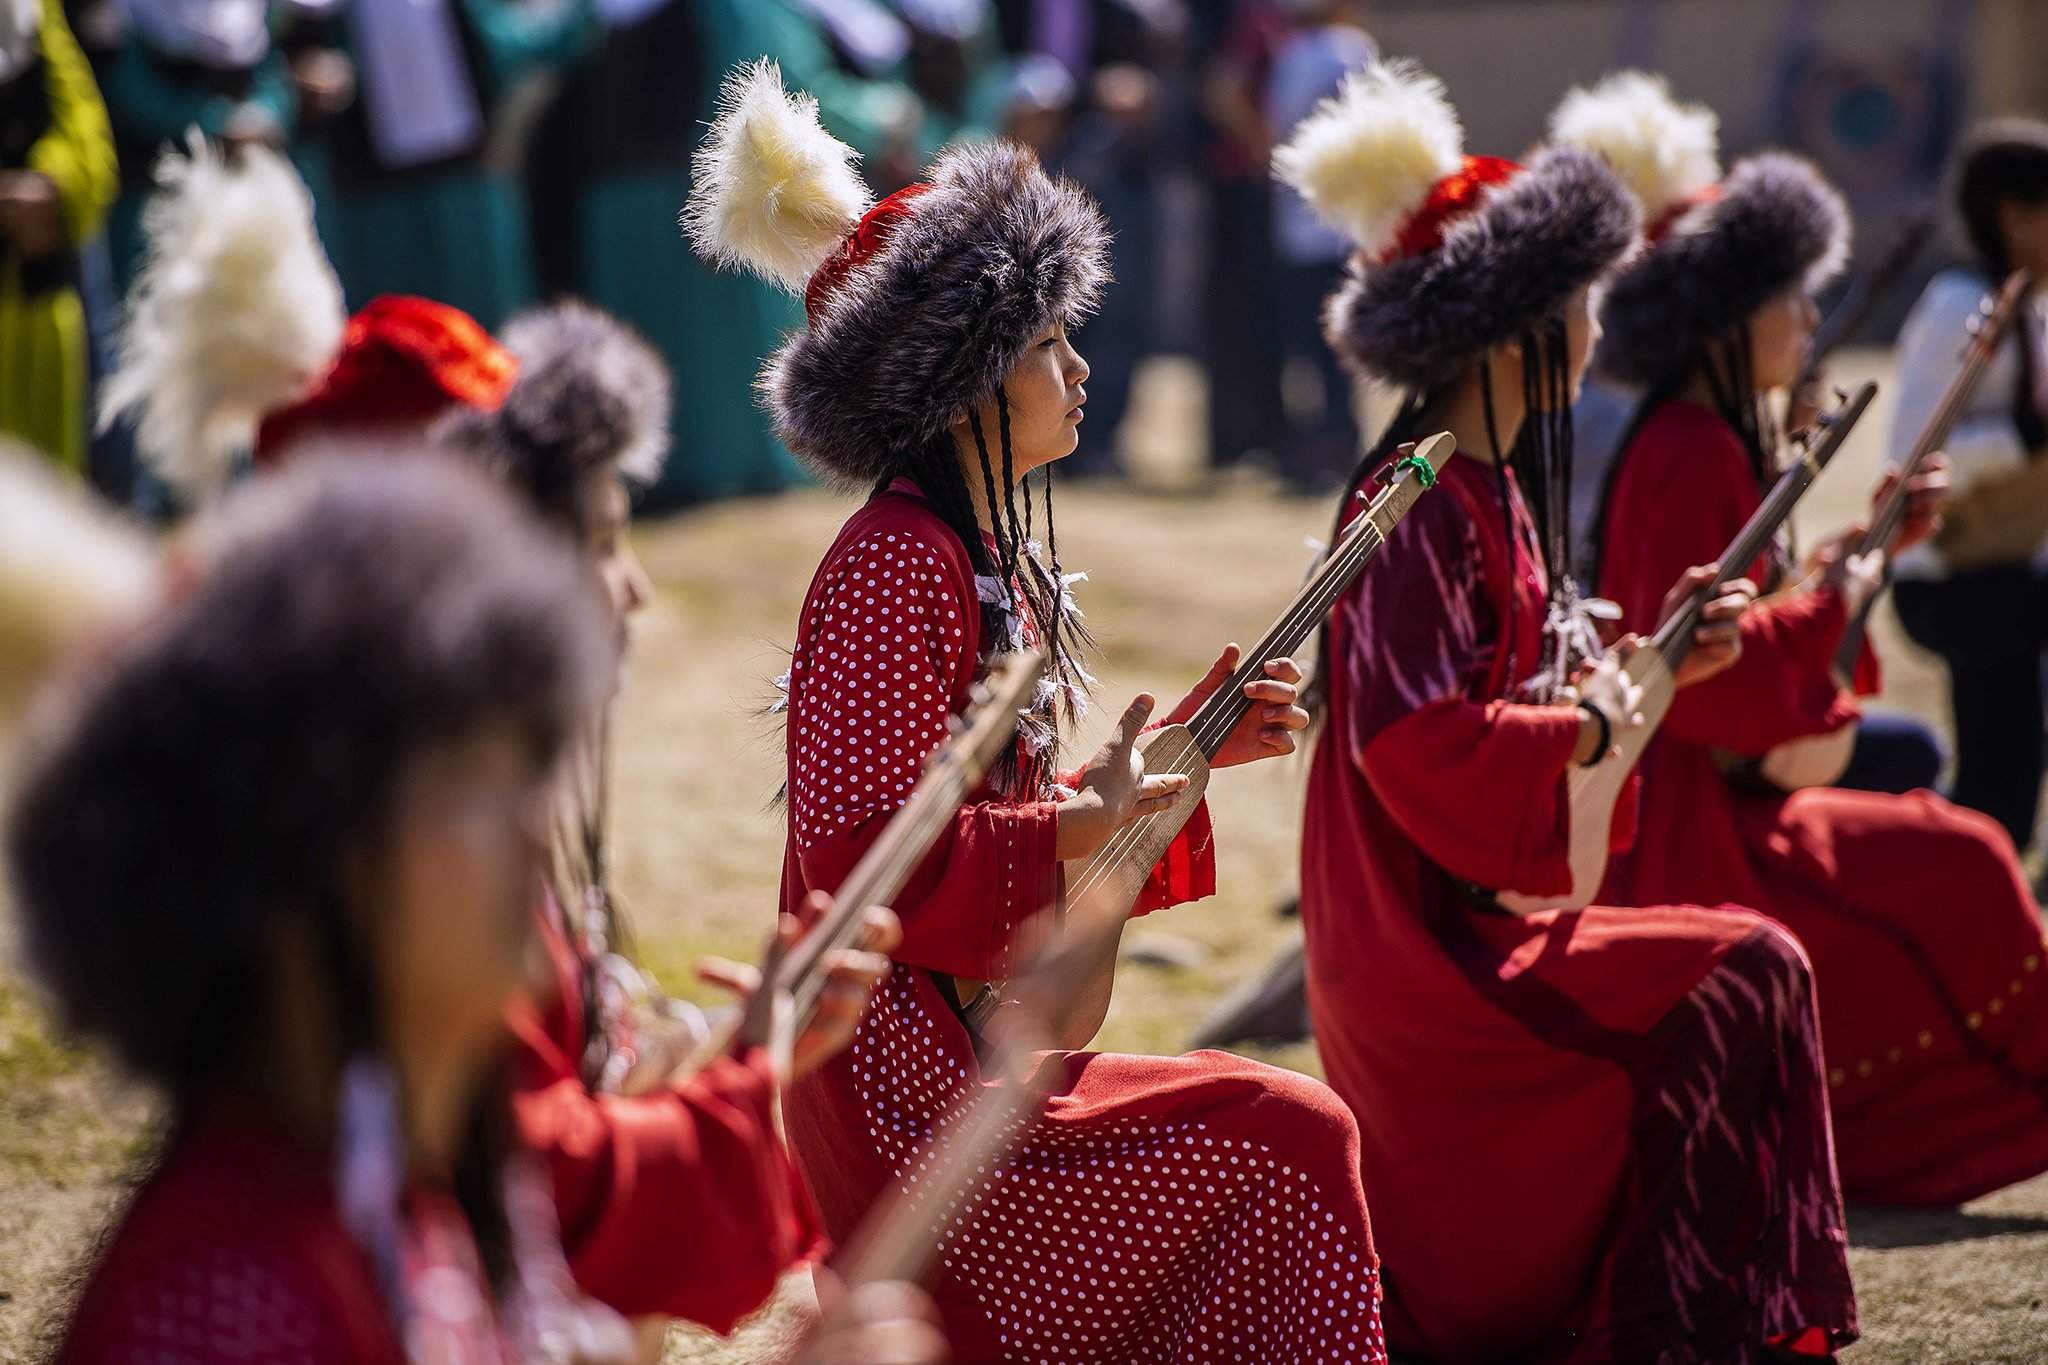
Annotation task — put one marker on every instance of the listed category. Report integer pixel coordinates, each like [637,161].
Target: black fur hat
[919,306]
[590,393]
[1534,239]
[1775,224]
[1456,254]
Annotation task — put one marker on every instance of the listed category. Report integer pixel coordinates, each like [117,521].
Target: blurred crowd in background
[494,153]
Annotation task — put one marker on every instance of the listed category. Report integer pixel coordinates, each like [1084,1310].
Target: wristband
[1606,733]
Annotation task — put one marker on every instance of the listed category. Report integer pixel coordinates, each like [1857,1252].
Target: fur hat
[1717,249]
[1456,253]
[590,393]
[235,310]
[403,362]
[918,307]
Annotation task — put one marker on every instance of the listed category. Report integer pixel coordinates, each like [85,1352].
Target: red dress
[234,1251]
[1165,1209]
[1599,1135]
[682,1202]
[1925,941]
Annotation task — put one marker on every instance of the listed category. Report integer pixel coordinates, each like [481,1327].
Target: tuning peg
[1384,475]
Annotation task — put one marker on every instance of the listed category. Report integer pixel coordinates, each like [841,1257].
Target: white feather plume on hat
[235,311]
[772,190]
[1664,151]
[1368,156]
[68,567]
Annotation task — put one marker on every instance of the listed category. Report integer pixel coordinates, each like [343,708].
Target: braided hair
[1541,459]
[1008,555]
[1731,387]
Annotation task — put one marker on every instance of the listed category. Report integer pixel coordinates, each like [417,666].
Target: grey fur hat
[1775,224]
[918,307]
[1455,254]
[589,393]
[1503,268]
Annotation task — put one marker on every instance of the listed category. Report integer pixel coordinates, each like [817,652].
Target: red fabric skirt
[1611,1138]
[1927,955]
[1164,1209]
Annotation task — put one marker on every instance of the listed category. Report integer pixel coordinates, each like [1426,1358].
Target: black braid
[1052,540]
[1541,457]
[1006,552]
[1736,400]
[1043,588]
[1017,536]
[1500,457]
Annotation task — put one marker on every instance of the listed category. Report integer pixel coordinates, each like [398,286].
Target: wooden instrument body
[1809,761]
[1128,861]
[1109,883]
[1591,793]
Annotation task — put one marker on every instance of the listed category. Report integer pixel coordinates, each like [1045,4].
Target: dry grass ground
[1174,575]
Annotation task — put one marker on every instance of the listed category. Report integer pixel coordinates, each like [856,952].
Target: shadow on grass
[1883,1228]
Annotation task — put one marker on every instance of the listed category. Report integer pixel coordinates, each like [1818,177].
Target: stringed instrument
[905,1234]
[950,775]
[1591,792]
[2000,518]
[1127,861]
[1125,864]
[1985,334]
[1820,760]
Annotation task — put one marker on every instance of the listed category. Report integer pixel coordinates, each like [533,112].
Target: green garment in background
[459,233]
[43,360]
[151,107]
[715,329]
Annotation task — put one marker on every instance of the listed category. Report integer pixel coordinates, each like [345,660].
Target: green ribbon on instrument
[1425,472]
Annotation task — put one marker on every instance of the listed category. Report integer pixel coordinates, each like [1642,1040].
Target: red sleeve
[702,1156]
[884,655]
[1187,870]
[682,1202]
[1476,785]
[1683,495]
[1781,688]
[1479,789]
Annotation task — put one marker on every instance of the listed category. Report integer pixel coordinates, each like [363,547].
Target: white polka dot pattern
[220,1304]
[883,657]
[1191,1209]
[1128,1236]
[871,683]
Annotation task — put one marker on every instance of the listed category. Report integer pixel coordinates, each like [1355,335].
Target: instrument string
[1214,720]
[1886,523]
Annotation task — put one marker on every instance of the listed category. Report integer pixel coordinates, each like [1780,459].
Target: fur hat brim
[933,322]
[590,392]
[1513,262]
[1777,224]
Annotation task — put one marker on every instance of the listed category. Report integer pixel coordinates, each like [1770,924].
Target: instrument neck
[1673,640]
[1218,716]
[1891,513]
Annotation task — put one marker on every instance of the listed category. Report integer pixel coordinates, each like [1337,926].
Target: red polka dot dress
[234,1250]
[1164,1209]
